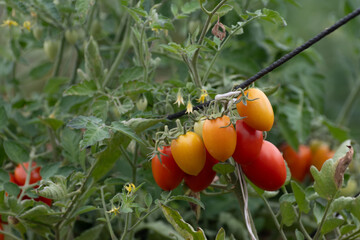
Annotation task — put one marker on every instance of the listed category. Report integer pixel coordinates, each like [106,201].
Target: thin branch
[112,234]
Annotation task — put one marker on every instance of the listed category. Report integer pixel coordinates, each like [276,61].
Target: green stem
[143,52]
[126,226]
[346,109]
[302,228]
[77,64]
[122,149]
[112,234]
[59,57]
[277,224]
[142,218]
[134,168]
[318,231]
[10,235]
[53,143]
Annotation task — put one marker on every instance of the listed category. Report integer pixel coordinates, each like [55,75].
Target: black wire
[282,60]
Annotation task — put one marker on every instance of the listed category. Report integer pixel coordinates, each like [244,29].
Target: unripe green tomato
[71,36]
[350,189]
[198,127]
[51,48]
[142,103]
[96,29]
[38,32]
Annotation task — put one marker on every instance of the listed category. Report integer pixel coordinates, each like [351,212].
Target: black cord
[282,60]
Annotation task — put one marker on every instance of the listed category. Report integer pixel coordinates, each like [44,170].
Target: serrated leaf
[94,67]
[221,234]
[81,122]
[182,227]
[288,214]
[330,224]
[92,233]
[53,189]
[190,7]
[273,16]
[188,199]
[131,74]
[126,106]
[123,129]
[12,188]
[299,193]
[3,118]
[15,152]
[324,180]
[93,134]
[85,88]
[141,124]
[223,168]
[82,8]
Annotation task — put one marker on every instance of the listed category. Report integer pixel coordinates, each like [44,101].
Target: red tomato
[204,178]
[268,170]
[166,173]
[45,200]
[249,142]
[12,178]
[219,140]
[20,174]
[2,237]
[259,112]
[189,153]
[298,162]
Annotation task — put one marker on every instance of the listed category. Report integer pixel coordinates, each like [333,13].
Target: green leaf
[126,106]
[288,214]
[223,168]
[4,176]
[93,63]
[330,224]
[53,189]
[347,229]
[49,170]
[221,234]
[85,88]
[288,133]
[93,134]
[50,7]
[53,84]
[324,180]
[148,200]
[338,132]
[224,9]
[123,129]
[12,188]
[83,209]
[299,193]
[82,8]
[81,122]
[318,212]
[299,235]
[182,227]
[141,124]
[15,152]
[3,118]
[100,107]
[70,142]
[92,233]
[188,199]
[53,123]
[131,74]
[273,16]
[190,7]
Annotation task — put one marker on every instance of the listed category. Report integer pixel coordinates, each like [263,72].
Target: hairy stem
[59,57]
[112,234]
[318,231]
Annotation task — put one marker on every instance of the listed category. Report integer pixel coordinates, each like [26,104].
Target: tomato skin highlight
[166,173]
[268,170]
[189,153]
[204,178]
[320,154]
[298,162]
[20,174]
[249,142]
[219,141]
[258,113]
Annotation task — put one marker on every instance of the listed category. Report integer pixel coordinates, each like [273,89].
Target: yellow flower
[156,30]
[115,210]
[179,99]
[9,23]
[27,25]
[130,187]
[203,96]
[189,107]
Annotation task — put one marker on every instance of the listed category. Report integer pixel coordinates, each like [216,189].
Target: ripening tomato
[20,174]
[320,154]
[166,173]
[12,178]
[249,142]
[204,178]
[298,162]
[258,113]
[268,170]
[219,140]
[189,153]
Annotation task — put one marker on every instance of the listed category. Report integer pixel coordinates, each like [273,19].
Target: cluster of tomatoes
[299,162]
[192,155]
[19,178]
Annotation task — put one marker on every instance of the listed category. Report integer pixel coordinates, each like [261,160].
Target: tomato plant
[189,153]
[204,178]
[320,153]
[2,237]
[20,174]
[198,127]
[268,170]
[166,173]
[257,111]
[219,137]
[249,142]
[298,162]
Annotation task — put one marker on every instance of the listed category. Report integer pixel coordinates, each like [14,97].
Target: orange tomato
[258,113]
[298,162]
[321,153]
[189,153]
[219,140]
